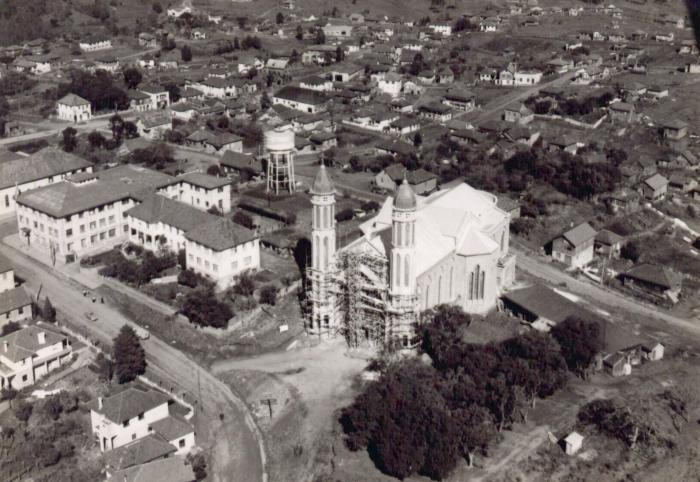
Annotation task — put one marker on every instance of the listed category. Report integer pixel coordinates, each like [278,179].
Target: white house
[159,98]
[135,413]
[527,77]
[204,191]
[153,127]
[444,29]
[73,108]
[222,250]
[391,84]
[95,44]
[305,100]
[30,353]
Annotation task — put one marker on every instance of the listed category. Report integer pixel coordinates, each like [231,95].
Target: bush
[580,341]
[193,279]
[370,206]
[268,294]
[23,411]
[10,327]
[243,219]
[202,308]
[344,215]
[52,407]
[631,251]
[245,285]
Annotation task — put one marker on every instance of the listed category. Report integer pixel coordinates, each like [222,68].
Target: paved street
[237,454]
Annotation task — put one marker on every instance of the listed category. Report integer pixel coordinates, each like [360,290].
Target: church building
[416,253]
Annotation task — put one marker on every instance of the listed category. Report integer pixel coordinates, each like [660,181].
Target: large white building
[47,166]
[204,191]
[416,253]
[30,353]
[133,414]
[85,213]
[73,108]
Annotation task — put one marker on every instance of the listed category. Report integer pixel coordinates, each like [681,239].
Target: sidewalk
[86,277]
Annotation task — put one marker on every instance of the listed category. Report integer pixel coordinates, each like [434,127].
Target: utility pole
[269,401]
[199,390]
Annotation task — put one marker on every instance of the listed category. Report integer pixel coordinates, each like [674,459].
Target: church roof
[457,220]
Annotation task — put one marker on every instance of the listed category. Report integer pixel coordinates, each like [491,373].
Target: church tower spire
[402,282]
[323,246]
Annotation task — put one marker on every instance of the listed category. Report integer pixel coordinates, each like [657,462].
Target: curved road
[237,453]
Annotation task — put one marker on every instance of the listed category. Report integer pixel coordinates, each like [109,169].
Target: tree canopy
[129,355]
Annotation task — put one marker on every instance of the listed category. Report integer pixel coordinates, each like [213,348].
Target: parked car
[90,316]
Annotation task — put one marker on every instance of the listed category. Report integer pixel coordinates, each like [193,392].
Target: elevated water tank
[279,139]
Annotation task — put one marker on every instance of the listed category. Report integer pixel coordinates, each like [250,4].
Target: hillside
[22,20]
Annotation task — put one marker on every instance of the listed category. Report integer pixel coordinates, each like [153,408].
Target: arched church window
[406,271]
[481,285]
[503,240]
[439,293]
[397,270]
[452,273]
[325,252]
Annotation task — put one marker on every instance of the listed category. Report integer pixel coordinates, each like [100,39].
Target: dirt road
[237,450]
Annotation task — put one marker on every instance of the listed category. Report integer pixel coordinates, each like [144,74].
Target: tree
[48,311]
[10,327]
[130,130]
[236,43]
[202,308]
[129,355]
[417,139]
[442,335]
[279,18]
[96,140]
[182,258]
[53,407]
[23,411]
[132,77]
[300,33]
[268,295]
[8,394]
[214,209]
[631,251]
[186,53]
[70,140]
[173,91]
[580,340]
[116,125]
[214,170]
[4,107]
[339,54]
[105,368]
[320,37]
[265,102]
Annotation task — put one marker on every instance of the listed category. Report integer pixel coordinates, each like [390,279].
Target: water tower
[279,152]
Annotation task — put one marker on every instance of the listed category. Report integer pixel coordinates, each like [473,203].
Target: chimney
[41,336]
[5,345]
[99,403]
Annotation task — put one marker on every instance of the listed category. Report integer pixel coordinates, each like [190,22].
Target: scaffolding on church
[360,286]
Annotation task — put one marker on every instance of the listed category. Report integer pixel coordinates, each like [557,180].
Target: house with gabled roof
[30,353]
[657,281]
[73,108]
[654,188]
[421,181]
[574,247]
[135,413]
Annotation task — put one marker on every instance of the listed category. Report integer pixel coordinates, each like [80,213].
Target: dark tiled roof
[205,180]
[172,469]
[44,163]
[13,299]
[141,451]
[5,264]
[73,100]
[24,343]
[608,238]
[128,404]
[580,234]
[544,302]
[297,94]
[657,275]
[220,234]
[172,428]
[238,160]
[157,208]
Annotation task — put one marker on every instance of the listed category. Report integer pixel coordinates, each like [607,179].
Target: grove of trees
[420,419]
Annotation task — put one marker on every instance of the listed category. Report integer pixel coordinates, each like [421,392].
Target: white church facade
[416,253]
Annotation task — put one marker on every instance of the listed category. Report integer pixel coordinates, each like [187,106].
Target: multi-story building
[305,100]
[204,192]
[30,353]
[42,168]
[92,45]
[221,250]
[86,212]
[137,413]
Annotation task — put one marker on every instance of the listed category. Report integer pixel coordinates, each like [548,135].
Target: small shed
[573,443]
[653,350]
